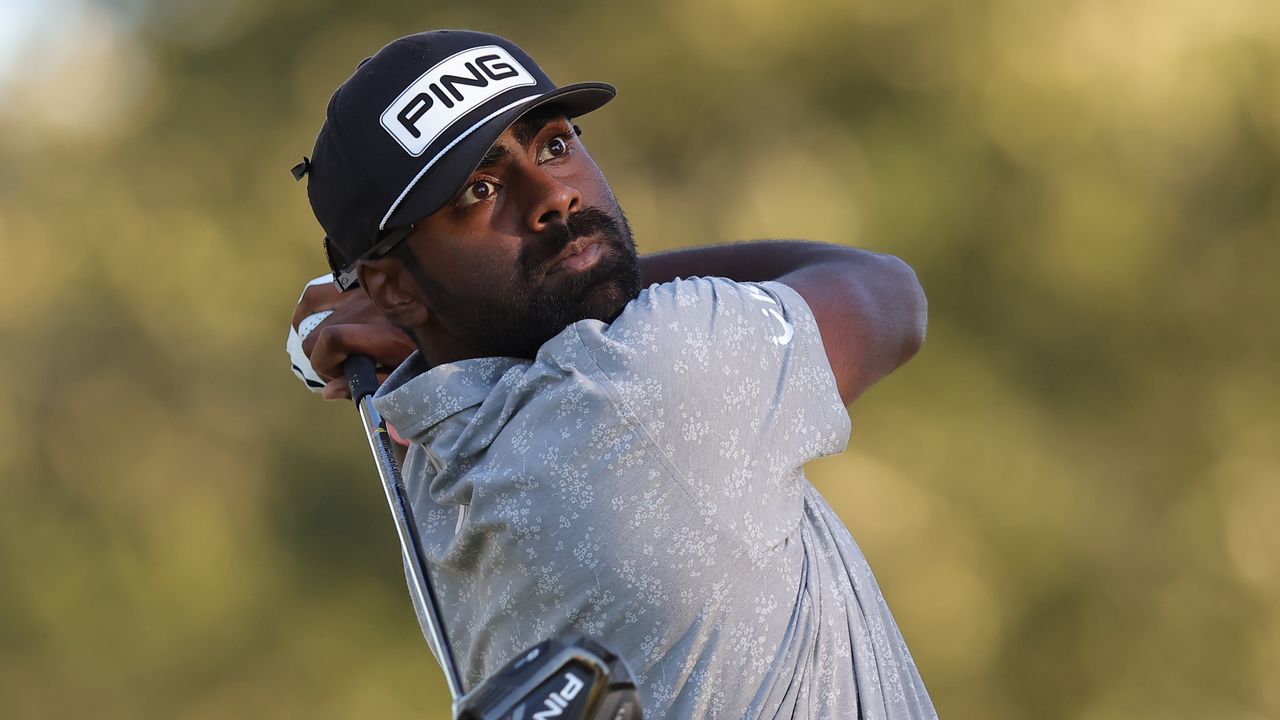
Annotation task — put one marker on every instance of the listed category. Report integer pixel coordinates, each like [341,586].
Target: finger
[336,389]
[315,298]
[385,344]
[396,436]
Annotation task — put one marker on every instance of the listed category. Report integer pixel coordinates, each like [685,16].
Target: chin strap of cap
[344,276]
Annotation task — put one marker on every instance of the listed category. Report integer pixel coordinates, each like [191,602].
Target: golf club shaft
[362,381]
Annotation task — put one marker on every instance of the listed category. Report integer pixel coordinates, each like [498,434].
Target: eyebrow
[528,127]
[525,130]
[493,156]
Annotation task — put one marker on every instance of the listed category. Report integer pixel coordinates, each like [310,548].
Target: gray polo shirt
[641,482]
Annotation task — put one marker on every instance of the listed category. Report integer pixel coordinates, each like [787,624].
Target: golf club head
[565,678]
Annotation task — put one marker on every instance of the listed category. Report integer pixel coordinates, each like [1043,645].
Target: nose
[552,201]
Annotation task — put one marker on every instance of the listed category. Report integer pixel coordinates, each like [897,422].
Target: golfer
[598,441]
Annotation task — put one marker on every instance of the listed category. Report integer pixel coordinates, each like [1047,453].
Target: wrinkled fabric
[641,482]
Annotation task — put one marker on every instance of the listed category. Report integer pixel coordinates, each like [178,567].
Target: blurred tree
[1068,496]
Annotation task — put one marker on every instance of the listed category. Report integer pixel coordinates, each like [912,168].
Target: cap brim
[446,176]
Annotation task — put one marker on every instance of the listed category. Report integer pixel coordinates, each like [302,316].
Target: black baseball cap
[406,130]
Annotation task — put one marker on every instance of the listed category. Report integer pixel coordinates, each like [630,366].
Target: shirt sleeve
[731,382]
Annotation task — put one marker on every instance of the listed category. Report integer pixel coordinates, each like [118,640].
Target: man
[595,443]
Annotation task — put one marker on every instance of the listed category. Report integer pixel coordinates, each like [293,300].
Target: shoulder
[708,307]
[697,326]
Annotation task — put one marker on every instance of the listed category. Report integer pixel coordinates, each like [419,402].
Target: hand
[354,327]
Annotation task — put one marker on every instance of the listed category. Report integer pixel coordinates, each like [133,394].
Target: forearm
[870,307]
[749,261]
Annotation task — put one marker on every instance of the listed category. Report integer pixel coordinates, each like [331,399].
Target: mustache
[551,242]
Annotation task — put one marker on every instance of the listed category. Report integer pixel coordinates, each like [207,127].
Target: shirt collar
[415,397]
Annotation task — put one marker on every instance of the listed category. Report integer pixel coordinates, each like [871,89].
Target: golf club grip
[362,379]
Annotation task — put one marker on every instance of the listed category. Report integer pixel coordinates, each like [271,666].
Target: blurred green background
[1070,497]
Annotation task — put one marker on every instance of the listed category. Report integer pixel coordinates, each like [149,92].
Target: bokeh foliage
[1070,497]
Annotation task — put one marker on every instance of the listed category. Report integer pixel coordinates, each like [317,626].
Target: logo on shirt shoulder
[452,88]
[787,329]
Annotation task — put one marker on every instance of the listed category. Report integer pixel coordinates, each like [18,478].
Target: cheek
[596,191]
[591,177]
[477,264]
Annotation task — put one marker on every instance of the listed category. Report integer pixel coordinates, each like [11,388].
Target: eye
[478,191]
[557,147]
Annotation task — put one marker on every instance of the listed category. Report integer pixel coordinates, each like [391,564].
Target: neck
[440,348]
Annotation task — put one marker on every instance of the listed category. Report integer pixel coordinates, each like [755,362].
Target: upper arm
[870,310]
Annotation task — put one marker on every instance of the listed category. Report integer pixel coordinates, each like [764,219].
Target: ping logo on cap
[452,88]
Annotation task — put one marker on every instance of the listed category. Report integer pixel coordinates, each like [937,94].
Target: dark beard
[521,321]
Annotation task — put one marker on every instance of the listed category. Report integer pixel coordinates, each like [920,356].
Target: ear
[393,290]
